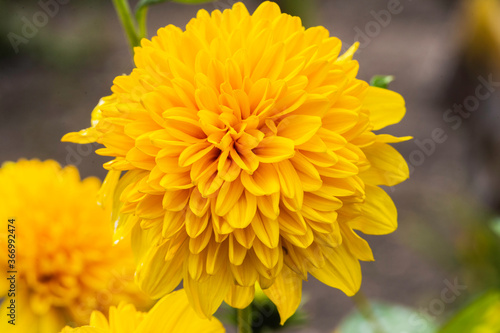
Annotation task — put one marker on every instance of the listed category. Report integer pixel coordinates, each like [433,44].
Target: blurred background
[445,56]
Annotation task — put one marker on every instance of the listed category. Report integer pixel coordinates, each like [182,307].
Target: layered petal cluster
[249,156]
[172,314]
[61,253]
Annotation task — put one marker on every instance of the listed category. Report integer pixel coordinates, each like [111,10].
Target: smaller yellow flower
[171,314]
[63,262]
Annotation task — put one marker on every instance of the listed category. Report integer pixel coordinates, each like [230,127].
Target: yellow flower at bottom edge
[58,251]
[250,156]
[172,314]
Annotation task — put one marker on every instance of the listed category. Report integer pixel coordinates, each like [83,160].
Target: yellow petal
[206,295]
[84,136]
[172,222]
[321,203]
[173,313]
[269,257]
[388,167]
[267,230]
[266,11]
[98,320]
[245,236]
[264,180]
[386,107]
[240,297]
[301,241]
[150,207]
[196,265]
[379,215]
[108,188]
[176,201]
[195,225]
[349,53]
[217,253]
[285,293]
[198,204]
[194,152]
[289,181]
[198,244]
[269,205]
[341,270]
[356,245]
[292,222]
[274,149]
[294,259]
[391,139]
[308,174]
[237,252]
[122,318]
[245,274]
[227,168]
[229,194]
[242,212]
[299,128]
[156,276]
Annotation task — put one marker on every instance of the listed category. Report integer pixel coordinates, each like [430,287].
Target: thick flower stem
[245,320]
[366,311]
[141,17]
[125,14]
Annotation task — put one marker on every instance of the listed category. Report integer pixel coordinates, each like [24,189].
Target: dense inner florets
[250,156]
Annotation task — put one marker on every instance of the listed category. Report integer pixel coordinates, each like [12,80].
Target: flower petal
[341,270]
[379,215]
[386,107]
[240,297]
[299,128]
[156,276]
[388,167]
[173,313]
[274,149]
[285,293]
[206,295]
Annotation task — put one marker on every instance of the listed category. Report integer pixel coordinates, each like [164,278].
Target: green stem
[141,16]
[125,14]
[307,10]
[366,311]
[245,320]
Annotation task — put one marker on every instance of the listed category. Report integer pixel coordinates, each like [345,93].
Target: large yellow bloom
[65,264]
[250,157]
[172,314]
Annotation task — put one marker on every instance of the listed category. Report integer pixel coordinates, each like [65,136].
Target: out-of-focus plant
[390,318]
[481,316]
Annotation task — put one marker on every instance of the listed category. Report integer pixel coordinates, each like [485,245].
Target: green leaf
[480,315]
[381,81]
[146,3]
[391,318]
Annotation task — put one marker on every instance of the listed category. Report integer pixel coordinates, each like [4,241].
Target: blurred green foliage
[381,81]
[389,318]
[482,315]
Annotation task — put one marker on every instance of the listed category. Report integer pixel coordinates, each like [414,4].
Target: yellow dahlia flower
[172,314]
[63,264]
[250,156]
